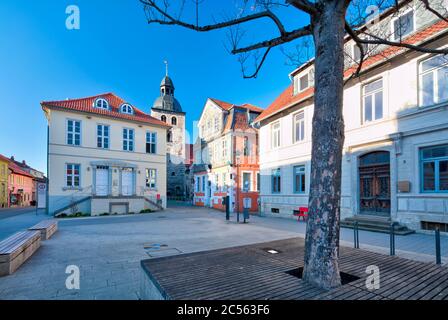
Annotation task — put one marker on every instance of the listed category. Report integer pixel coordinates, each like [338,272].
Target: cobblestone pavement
[108,250]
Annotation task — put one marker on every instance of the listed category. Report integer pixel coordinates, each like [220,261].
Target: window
[224,182]
[403,25]
[72,175]
[174,121]
[434,80]
[102,136]
[169,136]
[198,184]
[303,82]
[163,118]
[299,126]
[258,181]
[246,150]
[101,104]
[126,108]
[299,179]
[74,132]
[275,135]
[151,178]
[357,51]
[276,181]
[128,139]
[434,169]
[151,142]
[203,184]
[224,149]
[373,101]
[246,181]
[216,124]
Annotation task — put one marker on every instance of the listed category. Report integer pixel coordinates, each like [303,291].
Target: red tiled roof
[14,167]
[86,105]
[227,106]
[287,99]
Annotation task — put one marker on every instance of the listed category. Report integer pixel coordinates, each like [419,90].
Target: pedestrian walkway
[18,219]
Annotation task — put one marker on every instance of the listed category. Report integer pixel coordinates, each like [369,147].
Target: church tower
[168,109]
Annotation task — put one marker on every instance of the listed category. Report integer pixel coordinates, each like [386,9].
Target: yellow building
[3,182]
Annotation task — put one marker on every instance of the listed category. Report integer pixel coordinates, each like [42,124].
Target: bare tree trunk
[321,266]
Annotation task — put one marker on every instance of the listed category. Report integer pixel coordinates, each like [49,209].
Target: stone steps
[375,224]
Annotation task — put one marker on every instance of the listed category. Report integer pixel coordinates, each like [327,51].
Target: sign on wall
[41,195]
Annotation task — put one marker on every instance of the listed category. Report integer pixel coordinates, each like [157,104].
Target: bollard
[226,202]
[356,235]
[438,255]
[392,239]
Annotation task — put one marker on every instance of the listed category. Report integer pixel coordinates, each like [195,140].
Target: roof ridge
[84,98]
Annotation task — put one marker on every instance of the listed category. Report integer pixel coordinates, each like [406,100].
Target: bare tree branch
[305,6]
[170,20]
[432,10]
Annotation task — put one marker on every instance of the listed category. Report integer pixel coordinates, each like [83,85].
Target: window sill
[72,189]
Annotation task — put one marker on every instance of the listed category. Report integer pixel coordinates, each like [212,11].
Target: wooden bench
[47,228]
[16,249]
[301,213]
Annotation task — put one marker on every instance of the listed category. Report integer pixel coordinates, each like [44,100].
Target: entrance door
[126,182]
[374,182]
[102,181]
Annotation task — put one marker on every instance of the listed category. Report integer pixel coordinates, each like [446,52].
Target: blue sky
[116,51]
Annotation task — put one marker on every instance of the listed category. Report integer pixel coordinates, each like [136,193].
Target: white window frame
[151,179]
[128,139]
[436,97]
[250,181]
[74,133]
[363,95]
[273,145]
[72,186]
[126,108]
[102,136]
[302,128]
[355,47]
[152,135]
[104,105]
[396,37]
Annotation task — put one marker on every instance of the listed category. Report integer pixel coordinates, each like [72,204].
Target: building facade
[167,109]
[104,156]
[395,157]
[20,186]
[226,157]
[4,172]
[39,179]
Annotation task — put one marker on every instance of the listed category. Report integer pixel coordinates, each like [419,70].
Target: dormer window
[174,121]
[303,82]
[403,25]
[126,108]
[163,118]
[101,103]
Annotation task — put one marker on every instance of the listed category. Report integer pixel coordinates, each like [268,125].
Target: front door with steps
[127,182]
[374,182]
[102,181]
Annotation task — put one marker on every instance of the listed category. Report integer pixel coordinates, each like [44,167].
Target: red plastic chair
[303,213]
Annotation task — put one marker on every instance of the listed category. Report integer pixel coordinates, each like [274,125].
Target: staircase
[375,224]
[154,203]
[72,206]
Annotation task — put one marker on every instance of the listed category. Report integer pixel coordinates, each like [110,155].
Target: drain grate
[345,277]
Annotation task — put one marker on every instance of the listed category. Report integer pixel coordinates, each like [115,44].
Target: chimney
[12,158]
[23,162]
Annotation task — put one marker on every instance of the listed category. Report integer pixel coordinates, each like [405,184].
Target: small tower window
[101,104]
[169,137]
[126,108]
[163,118]
[174,121]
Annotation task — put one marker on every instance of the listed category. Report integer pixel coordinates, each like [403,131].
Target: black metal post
[438,256]
[227,204]
[356,235]
[392,239]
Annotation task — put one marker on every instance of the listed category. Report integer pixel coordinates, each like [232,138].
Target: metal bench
[301,213]
[46,228]
[16,249]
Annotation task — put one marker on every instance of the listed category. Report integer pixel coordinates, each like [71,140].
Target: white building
[395,158]
[104,156]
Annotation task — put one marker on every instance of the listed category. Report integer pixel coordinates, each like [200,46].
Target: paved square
[108,250]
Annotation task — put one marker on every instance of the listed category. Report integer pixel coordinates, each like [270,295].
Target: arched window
[126,108]
[169,137]
[163,118]
[101,103]
[174,121]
